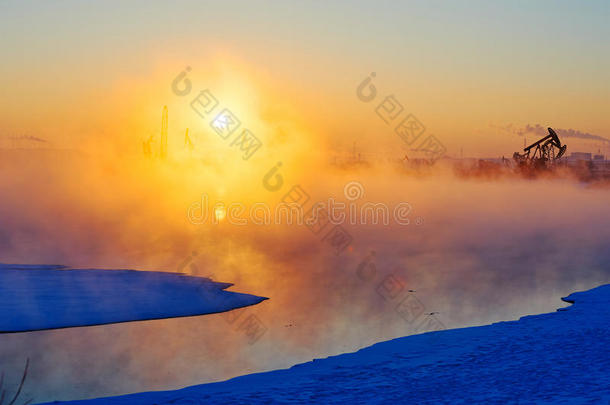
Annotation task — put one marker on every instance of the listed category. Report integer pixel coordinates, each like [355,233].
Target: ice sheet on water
[41,297]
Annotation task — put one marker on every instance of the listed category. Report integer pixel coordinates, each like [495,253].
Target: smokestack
[163,147]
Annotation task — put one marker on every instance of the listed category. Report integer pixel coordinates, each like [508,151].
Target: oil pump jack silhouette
[542,153]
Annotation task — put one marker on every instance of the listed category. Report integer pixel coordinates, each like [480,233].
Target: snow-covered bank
[48,297]
[560,357]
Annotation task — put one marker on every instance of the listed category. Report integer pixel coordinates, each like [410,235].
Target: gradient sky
[78,69]
[89,75]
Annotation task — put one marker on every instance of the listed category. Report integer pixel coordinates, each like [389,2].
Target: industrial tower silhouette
[163,147]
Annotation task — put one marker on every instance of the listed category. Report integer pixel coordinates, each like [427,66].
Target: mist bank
[476,250]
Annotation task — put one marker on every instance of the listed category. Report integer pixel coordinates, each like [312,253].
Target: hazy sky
[92,74]
[71,68]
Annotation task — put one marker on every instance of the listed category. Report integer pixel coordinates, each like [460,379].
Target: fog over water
[476,251]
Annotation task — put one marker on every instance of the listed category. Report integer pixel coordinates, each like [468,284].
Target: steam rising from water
[486,251]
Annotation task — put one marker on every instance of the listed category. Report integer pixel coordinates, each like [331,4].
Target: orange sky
[95,77]
[73,73]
